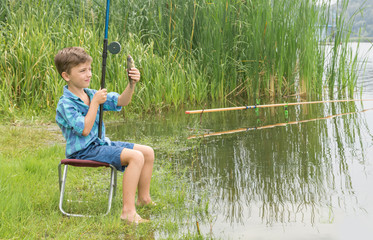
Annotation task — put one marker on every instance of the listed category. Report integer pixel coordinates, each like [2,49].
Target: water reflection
[284,179]
[298,172]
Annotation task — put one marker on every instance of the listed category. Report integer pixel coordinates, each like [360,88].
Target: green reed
[188,51]
[341,72]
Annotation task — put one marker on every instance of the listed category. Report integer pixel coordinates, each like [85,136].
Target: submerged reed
[188,51]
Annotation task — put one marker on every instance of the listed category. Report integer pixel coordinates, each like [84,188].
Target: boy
[78,114]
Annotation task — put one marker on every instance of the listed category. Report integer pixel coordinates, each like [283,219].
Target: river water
[308,178]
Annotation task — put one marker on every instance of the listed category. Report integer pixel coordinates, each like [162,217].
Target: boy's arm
[89,120]
[125,98]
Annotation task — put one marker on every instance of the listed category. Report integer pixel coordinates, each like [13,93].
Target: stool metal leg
[62,182]
[114,170]
[112,187]
[62,192]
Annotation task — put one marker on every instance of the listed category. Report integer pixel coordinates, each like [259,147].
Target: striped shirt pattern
[70,115]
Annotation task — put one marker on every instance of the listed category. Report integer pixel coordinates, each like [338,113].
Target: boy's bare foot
[134,219]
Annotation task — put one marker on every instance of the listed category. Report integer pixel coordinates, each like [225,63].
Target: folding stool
[85,163]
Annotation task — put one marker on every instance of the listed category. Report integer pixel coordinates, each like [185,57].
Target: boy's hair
[68,58]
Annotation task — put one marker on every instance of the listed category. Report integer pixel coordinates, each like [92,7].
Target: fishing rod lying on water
[272,125]
[113,48]
[270,105]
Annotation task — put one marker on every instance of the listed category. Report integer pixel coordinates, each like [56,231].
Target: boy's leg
[135,161]
[146,174]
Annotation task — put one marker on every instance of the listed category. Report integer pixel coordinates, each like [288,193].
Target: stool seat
[85,163]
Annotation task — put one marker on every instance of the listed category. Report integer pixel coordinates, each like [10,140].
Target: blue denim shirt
[70,115]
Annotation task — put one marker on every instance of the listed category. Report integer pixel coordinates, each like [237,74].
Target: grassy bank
[29,191]
[187,51]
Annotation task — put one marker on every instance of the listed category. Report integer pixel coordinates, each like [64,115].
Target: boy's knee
[138,158]
[149,154]
[132,157]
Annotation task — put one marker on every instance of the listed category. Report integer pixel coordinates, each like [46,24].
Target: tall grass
[188,51]
[343,66]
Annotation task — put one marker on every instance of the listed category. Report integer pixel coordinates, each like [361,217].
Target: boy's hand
[134,75]
[100,96]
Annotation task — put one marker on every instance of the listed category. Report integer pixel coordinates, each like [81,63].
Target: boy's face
[80,76]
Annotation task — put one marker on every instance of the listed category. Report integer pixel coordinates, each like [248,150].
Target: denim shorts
[104,153]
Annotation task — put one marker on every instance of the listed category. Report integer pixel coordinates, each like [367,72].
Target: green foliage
[187,51]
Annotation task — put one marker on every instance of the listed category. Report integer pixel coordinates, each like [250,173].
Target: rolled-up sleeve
[111,103]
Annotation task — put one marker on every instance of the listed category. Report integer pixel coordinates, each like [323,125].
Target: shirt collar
[67,93]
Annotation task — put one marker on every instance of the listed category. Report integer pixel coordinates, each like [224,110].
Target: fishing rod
[113,48]
[270,105]
[273,125]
